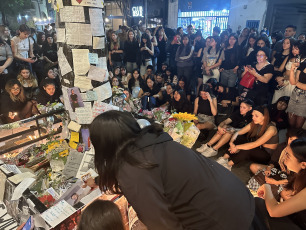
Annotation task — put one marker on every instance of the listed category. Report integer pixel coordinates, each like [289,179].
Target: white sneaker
[227,167]
[222,160]
[202,148]
[210,152]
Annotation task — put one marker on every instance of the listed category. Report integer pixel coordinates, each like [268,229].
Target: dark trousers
[273,223]
[148,103]
[188,74]
[258,155]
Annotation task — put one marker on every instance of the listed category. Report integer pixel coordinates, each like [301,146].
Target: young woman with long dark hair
[291,213]
[256,141]
[146,52]
[297,104]
[28,81]
[144,165]
[184,61]
[115,53]
[149,94]
[205,106]
[131,51]
[230,64]
[212,59]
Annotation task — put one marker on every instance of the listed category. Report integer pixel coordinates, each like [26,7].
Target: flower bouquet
[181,128]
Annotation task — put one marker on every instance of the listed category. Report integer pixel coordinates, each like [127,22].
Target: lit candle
[15,114]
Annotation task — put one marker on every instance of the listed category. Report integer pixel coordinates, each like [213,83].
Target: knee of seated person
[254,167]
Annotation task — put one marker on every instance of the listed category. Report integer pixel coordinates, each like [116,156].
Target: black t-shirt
[50,52]
[302,77]
[231,59]
[279,58]
[117,57]
[260,87]
[239,121]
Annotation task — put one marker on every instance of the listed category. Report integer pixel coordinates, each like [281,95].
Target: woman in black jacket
[278,113]
[48,93]
[131,52]
[168,185]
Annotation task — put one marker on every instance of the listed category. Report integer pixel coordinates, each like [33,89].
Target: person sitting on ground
[255,141]
[28,81]
[101,214]
[167,96]
[116,83]
[227,128]
[169,77]
[14,104]
[291,213]
[182,86]
[160,81]
[205,106]
[278,115]
[149,94]
[180,103]
[149,72]
[49,93]
[275,173]
[227,96]
[135,83]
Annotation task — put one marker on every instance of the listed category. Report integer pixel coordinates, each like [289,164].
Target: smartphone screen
[28,224]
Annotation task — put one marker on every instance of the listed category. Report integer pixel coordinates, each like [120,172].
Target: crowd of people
[250,87]
[28,72]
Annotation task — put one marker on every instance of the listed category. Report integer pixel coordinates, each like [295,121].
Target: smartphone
[249,66]
[33,58]
[28,224]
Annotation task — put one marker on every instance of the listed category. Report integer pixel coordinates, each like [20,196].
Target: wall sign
[137,11]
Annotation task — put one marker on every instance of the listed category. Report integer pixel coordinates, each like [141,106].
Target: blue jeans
[148,102]
[130,66]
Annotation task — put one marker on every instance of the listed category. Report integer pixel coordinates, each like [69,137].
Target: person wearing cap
[49,50]
[263,72]
[253,142]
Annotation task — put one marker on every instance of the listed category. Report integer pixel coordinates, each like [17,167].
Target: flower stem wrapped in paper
[181,128]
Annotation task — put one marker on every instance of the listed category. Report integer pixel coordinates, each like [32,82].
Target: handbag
[248,80]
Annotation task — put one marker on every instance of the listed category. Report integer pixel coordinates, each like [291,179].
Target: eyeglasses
[15,89]
[261,56]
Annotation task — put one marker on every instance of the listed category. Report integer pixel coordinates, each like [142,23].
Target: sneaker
[227,167]
[222,160]
[210,152]
[202,148]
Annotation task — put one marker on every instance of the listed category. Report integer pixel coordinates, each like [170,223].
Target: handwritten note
[80,61]
[82,82]
[7,222]
[98,42]
[63,63]
[75,137]
[102,63]
[96,20]
[93,3]
[61,34]
[73,163]
[97,74]
[84,114]
[58,213]
[78,34]
[72,14]
[74,126]
[101,107]
[93,58]
[91,96]
[104,91]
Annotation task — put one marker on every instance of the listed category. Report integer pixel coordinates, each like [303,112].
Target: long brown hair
[31,78]
[21,96]
[254,127]
[113,43]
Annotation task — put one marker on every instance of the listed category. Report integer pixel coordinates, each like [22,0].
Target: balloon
[143,123]
[135,92]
